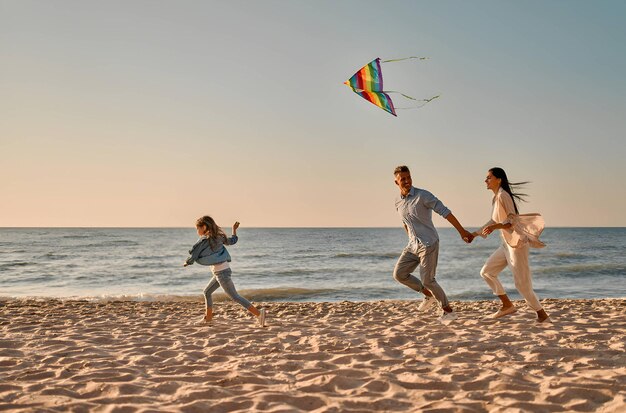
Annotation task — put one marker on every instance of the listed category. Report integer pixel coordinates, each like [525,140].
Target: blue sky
[150,113]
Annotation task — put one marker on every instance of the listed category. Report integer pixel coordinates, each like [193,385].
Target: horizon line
[268,227]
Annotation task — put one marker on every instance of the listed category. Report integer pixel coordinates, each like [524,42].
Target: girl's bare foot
[208,316]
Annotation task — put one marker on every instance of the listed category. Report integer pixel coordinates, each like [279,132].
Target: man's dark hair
[401,168]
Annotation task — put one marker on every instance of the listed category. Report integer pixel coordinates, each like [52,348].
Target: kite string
[400,93]
[424,102]
[405,58]
[410,107]
[412,98]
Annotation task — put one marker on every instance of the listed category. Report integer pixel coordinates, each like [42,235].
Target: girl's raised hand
[235,225]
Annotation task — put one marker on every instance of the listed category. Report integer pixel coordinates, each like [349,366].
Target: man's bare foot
[542,316]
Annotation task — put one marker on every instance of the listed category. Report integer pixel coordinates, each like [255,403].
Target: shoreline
[314,356]
[263,296]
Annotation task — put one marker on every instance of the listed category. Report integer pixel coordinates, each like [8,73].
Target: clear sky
[152,113]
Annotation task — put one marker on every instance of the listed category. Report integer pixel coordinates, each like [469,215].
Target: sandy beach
[126,356]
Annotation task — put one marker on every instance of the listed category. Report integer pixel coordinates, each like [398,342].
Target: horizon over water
[227,228]
[292,264]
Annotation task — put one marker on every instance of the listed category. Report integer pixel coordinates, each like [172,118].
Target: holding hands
[489,229]
[467,236]
[483,232]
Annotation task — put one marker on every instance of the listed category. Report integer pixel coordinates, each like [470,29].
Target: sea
[292,264]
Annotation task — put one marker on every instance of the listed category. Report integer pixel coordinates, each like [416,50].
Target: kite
[368,83]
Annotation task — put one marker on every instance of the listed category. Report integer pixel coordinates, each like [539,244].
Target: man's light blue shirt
[415,209]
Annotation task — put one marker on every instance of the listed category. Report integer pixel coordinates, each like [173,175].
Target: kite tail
[407,96]
[405,58]
[423,101]
[400,93]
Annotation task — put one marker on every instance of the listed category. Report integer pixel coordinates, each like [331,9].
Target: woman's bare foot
[503,311]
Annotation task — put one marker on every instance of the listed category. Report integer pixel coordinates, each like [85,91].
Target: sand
[378,356]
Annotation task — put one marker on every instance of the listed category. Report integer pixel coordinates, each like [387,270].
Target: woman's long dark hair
[509,186]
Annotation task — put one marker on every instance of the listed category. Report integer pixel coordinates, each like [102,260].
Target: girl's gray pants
[222,279]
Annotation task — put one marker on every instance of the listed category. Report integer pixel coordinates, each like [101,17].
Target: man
[415,207]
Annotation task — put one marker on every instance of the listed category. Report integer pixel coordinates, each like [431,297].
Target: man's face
[404,181]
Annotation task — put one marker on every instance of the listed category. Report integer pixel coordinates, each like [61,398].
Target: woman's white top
[525,228]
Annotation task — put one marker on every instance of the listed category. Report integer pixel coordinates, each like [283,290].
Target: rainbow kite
[368,83]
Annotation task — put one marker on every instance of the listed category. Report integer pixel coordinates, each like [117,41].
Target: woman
[519,232]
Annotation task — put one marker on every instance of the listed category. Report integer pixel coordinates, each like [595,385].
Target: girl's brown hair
[214,231]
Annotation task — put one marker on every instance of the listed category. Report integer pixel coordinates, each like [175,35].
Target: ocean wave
[297,272]
[55,256]
[300,253]
[111,243]
[584,269]
[307,256]
[280,293]
[26,278]
[295,255]
[373,255]
[77,236]
[12,264]
[261,294]
[9,245]
[153,264]
[248,256]
[472,295]
[571,255]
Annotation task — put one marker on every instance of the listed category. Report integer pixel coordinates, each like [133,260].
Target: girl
[210,250]
[519,232]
